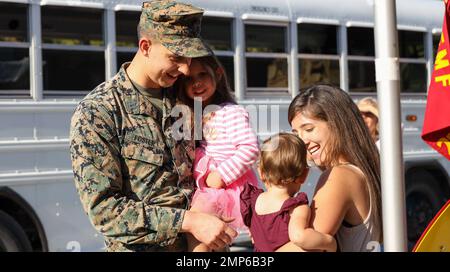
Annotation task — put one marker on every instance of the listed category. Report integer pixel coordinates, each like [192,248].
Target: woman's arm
[330,202]
[305,237]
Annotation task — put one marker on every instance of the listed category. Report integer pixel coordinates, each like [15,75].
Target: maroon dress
[269,231]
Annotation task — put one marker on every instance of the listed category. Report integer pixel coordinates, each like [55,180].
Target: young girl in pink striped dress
[228,149]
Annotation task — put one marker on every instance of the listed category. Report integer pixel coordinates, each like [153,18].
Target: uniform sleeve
[96,165]
[238,129]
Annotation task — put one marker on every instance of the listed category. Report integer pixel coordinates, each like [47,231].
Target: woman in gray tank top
[347,201]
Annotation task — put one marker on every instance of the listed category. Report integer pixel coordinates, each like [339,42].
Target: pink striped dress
[230,147]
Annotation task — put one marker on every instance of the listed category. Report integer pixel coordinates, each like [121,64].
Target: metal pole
[388,89]
[109,26]
[36,74]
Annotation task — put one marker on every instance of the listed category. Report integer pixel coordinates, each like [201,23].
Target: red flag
[436,126]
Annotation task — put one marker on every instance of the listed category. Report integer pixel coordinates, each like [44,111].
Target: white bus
[53,52]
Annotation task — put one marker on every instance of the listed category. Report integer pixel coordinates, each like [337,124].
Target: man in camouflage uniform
[133,177]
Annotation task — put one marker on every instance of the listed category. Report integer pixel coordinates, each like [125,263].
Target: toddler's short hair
[283,159]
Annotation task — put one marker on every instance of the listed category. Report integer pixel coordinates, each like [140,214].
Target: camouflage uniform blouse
[133,177]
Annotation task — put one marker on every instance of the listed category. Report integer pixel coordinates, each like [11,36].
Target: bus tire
[423,201]
[12,236]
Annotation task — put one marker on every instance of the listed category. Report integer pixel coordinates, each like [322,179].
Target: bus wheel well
[426,191]
[439,177]
[15,206]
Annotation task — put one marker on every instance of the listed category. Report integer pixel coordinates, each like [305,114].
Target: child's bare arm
[305,237]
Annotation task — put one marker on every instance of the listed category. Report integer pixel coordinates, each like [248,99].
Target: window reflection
[14,69]
[361,76]
[314,71]
[217,33]
[360,41]
[411,44]
[228,65]
[317,39]
[265,72]
[436,40]
[265,38]
[72,26]
[13,23]
[126,28]
[72,70]
[413,77]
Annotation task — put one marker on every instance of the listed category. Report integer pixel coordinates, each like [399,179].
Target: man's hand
[214,180]
[209,229]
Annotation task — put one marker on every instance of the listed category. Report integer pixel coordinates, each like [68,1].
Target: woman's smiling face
[315,133]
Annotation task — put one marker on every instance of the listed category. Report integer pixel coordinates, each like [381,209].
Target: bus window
[314,71]
[413,71]
[361,76]
[318,58]
[267,73]
[266,58]
[265,39]
[66,70]
[361,59]
[126,35]
[413,77]
[436,40]
[228,65]
[411,44]
[317,39]
[14,52]
[217,33]
[71,26]
[126,29]
[360,41]
[73,50]
[123,57]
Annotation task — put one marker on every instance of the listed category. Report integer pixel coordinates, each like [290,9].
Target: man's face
[164,67]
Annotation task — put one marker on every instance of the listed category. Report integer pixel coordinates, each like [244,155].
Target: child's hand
[214,180]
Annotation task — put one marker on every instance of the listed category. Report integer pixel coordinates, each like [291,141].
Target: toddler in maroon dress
[280,214]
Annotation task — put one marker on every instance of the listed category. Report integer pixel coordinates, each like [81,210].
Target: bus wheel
[12,236]
[423,201]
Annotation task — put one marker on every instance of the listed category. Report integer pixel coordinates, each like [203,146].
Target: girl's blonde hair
[283,159]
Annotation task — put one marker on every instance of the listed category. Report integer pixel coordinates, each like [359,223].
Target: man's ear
[145,45]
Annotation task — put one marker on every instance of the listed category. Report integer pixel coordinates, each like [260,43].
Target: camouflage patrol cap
[177,26]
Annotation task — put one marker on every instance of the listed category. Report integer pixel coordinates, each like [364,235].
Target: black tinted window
[228,65]
[413,78]
[126,28]
[411,44]
[72,26]
[436,40]
[13,23]
[360,41]
[265,38]
[317,39]
[217,33]
[14,69]
[361,76]
[265,72]
[314,71]
[72,70]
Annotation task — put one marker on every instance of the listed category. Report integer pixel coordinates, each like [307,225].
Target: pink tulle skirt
[222,202]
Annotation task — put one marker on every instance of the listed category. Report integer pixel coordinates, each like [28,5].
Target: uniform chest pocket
[142,154]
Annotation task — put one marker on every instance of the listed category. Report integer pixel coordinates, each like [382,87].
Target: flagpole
[388,91]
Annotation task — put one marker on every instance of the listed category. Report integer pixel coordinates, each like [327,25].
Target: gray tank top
[360,238]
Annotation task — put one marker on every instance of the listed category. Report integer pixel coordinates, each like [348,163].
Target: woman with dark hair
[347,199]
